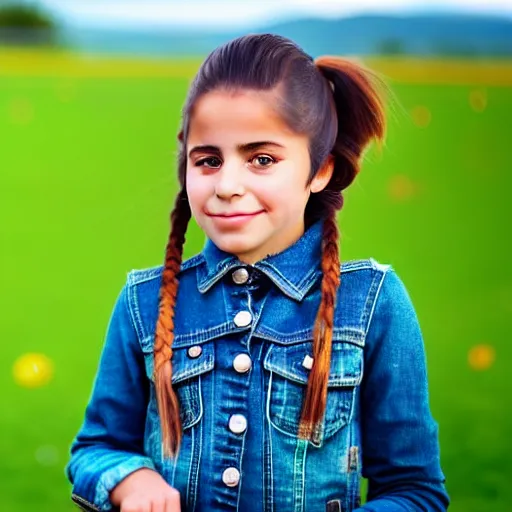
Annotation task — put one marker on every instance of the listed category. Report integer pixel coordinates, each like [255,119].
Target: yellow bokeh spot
[401,188]
[421,116]
[481,357]
[478,100]
[33,370]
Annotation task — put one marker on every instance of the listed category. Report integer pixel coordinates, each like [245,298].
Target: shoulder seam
[141,275]
[364,264]
[352,265]
[385,270]
[130,302]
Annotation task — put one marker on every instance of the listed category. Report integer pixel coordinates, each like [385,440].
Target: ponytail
[358,99]
[360,117]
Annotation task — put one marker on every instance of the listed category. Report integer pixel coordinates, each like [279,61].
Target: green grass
[87,180]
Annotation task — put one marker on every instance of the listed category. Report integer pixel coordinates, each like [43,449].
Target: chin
[235,245]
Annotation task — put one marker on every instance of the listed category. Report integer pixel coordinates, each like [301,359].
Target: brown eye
[211,162]
[263,161]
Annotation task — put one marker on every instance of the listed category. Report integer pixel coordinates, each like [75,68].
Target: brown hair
[337,103]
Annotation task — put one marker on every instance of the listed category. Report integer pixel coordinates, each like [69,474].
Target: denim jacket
[242,356]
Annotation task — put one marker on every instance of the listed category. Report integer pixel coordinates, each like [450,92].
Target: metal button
[195,351]
[243,319]
[237,423]
[231,477]
[242,363]
[240,276]
[308,362]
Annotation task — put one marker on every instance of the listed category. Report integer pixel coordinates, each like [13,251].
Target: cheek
[286,200]
[198,191]
[287,192]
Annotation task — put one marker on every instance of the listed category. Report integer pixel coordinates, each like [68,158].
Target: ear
[323,176]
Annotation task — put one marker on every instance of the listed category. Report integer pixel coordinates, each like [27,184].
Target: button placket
[231,477]
[242,363]
[243,319]
[240,276]
[233,415]
[238,423]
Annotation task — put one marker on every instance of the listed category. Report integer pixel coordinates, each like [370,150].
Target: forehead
[221,115]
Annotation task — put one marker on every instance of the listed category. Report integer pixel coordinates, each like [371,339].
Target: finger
[158,505]
[136,507]
[173,502]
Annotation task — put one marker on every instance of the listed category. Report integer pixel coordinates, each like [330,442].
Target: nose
[229,182]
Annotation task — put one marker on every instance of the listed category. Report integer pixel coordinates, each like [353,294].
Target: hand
[145,490]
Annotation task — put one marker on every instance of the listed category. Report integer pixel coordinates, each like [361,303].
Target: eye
[212,162]
[263,161]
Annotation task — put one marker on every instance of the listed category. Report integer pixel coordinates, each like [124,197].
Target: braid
[168,405]
[316,393]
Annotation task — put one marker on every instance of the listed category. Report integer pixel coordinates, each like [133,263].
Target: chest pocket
[187,374]
[287,385]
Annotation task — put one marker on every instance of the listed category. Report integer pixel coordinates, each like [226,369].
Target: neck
[273,246]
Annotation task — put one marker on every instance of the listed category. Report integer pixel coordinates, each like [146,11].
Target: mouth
[234,215]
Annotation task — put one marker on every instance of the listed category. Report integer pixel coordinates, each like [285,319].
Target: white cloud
[231,13]
[208,14]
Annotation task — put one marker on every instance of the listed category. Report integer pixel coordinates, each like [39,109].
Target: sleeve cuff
[113,476]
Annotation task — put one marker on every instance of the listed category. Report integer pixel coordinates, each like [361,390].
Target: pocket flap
[185,367]
[346,362]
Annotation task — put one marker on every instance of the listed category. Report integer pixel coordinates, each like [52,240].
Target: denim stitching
[133,310]
[368,315]
[204,367]
[192,453]
[346,334]
[270,487]
[298,475]
[195,463]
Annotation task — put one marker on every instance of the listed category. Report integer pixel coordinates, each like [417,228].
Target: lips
[233,214]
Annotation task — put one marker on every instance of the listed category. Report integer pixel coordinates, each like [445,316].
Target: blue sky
[219,14]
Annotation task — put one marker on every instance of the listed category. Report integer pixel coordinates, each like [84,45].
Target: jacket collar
[293,271]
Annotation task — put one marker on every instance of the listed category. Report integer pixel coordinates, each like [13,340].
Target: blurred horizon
[122,28]
[230,14]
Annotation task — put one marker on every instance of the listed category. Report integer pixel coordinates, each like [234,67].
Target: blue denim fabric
[377,424]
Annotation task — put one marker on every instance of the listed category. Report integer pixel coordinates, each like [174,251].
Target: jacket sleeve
[109,444]
[400,447]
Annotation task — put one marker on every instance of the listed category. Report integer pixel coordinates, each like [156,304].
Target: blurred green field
[87,180]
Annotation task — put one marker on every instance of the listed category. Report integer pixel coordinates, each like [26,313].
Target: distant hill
[451,35]
[423,35]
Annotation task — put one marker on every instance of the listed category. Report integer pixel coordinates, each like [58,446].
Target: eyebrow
[250,146]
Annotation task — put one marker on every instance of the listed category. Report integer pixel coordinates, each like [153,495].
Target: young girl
[260,375]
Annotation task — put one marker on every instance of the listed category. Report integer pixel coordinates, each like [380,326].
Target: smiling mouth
[234,215]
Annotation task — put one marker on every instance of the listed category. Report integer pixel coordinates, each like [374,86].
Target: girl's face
[247,174]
